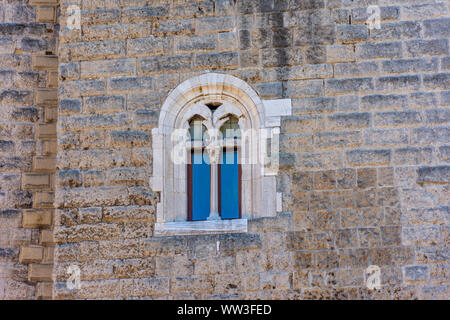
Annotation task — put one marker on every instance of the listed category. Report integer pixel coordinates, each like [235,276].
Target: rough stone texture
[365,155]
[22,111]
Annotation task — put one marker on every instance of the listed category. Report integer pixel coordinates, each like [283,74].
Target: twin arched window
[214,168]
[223,178]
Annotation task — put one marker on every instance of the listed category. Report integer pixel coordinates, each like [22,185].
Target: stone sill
[200,227]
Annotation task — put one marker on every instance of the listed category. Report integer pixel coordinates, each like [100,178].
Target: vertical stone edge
[40,258]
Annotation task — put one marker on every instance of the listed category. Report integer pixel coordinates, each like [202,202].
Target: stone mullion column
[214,214]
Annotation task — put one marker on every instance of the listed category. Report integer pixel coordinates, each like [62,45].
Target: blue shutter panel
[229,186]
[201,186]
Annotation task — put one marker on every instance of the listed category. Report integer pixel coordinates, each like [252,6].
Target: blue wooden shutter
[229,185]
[201,186]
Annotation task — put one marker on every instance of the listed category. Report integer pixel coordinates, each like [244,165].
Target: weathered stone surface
[334,86]
[437,81]
[352,34]
[439,174]
[367,157]
[379,50]
[397,31]
[437,27]
[425,48]
[94,69]
[363,162]
[347,121]
[415,273]
[91,50]
[102,104]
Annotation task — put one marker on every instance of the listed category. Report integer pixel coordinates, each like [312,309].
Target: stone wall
[364,162]
[28,99]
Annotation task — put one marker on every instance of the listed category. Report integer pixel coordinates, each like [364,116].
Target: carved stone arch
[191,98]
[212,86]
[188,113]
[226,109]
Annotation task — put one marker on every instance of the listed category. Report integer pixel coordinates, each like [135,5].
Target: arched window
[209,150]
[198,172]
[230,170]
[214,168]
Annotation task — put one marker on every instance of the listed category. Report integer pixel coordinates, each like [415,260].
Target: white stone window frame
[259,197]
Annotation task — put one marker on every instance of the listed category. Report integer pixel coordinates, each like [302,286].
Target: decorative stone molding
[259,196]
